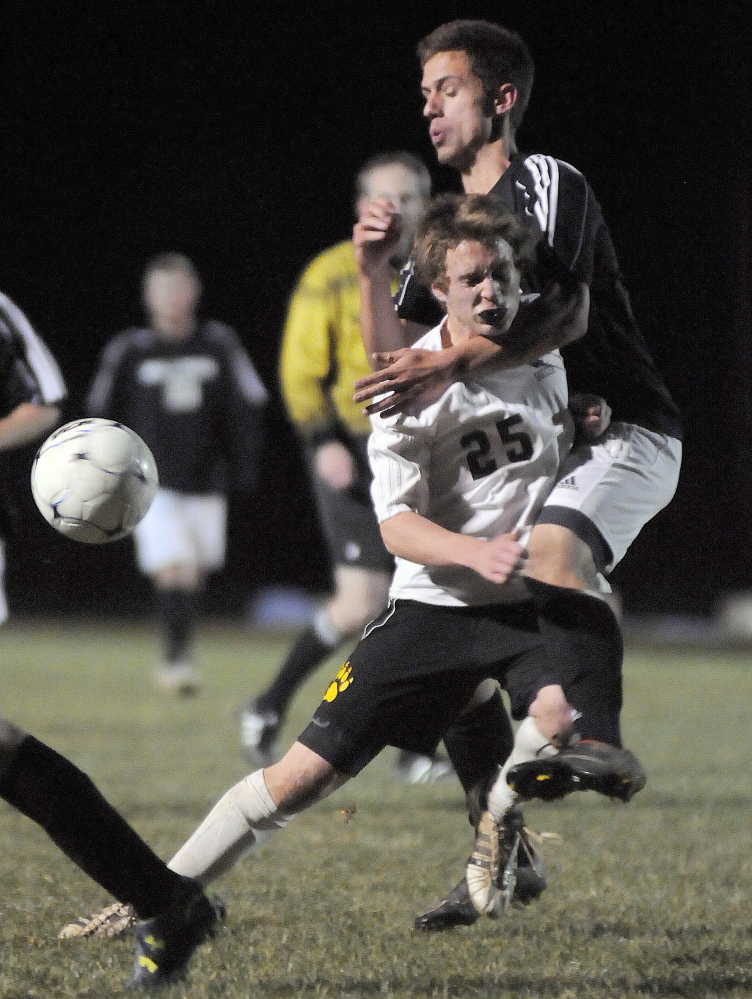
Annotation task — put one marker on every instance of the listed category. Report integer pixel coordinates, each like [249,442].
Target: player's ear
[505,99]
[439,294]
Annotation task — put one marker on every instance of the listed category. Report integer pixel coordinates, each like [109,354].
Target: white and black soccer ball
[93,480]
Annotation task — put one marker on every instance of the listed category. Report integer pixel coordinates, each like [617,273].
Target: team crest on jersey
[181,380]
[341,682]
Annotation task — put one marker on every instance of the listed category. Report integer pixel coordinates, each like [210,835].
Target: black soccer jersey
[197,402]
[612,359]
[28,372]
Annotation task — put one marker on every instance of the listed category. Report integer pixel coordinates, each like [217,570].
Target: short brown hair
[452,218]
[496,55]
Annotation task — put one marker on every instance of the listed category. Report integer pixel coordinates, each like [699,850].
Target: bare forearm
[416,539]
[380,326]
[26,423]
[546,324]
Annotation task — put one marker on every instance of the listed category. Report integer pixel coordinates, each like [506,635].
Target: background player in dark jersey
[188,387]
[476,84]
[35,779]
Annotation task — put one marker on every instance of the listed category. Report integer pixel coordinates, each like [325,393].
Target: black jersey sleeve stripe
[41,364]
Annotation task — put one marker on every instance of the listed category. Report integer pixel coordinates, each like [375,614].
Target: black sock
[178,610]
[584,640]
[478,743]
[306,654]
[52,791]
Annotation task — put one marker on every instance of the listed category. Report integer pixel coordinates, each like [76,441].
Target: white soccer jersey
[478,461]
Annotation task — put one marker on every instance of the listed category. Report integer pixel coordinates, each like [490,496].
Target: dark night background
[232,133]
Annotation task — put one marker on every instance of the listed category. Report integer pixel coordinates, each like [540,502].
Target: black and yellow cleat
[165,943]
[588,766]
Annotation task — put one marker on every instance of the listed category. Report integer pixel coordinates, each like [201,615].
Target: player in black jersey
[189,389]
[31,392]
[477,78]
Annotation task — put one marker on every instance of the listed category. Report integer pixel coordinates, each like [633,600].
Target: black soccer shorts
[414,671]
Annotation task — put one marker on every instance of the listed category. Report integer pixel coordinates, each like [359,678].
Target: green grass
[650,899]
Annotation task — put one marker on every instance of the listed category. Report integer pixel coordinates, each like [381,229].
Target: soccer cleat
[588,766]
[110,922]
[531,872]
[415,768]
[457,909]
[492,868]
[181,679]
[259,735]
[165,943]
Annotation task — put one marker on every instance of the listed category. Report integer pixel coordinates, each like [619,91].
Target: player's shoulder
[430,340]
[544,172]
[334,265]
[134,339]
[217,333]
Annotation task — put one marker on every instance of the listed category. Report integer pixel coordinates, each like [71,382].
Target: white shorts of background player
[619,482]
[183,529]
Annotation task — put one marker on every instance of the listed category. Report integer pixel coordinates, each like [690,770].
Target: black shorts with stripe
[415,670]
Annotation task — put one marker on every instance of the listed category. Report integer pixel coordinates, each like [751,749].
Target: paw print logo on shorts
[341,682]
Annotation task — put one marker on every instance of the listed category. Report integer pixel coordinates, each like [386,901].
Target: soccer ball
[93,480]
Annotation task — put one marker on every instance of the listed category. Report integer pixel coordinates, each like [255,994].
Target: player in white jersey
[461,613]
[495,444]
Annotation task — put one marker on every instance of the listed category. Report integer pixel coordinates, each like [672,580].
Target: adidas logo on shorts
[567,483]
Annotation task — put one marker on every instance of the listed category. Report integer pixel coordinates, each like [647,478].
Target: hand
[408,375]
[376,234]
[500,559]
[334,464]
[592,415]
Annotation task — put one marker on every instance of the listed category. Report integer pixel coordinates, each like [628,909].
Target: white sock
[244,818]
[529,744]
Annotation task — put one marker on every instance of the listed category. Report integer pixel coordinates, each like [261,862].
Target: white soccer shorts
[183,529]
[619,482]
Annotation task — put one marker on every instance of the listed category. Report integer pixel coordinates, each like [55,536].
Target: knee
[558,557]
[352,607]
[552,714]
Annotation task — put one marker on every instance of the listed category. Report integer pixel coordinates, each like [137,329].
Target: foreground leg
[493,861]
[59,797]
[478,743]
[252,811]
[246,817]
[53,792]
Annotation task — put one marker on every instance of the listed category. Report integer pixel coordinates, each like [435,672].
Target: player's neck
[487,167]
[174,329]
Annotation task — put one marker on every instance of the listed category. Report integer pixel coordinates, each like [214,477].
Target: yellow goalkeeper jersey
[322,352]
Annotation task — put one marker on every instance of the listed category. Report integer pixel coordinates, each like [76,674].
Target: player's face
[403,188]
[171,298]
[481,292]
[456,108]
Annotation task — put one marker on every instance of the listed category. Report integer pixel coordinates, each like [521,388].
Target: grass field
[649,899]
